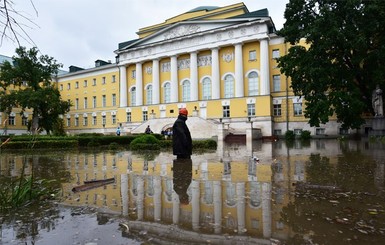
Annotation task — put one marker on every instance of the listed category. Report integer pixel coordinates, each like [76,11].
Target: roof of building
[258,13]
[4,58]
[206,8]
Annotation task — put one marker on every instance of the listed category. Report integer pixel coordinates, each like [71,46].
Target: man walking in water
[181,137]
[182,148]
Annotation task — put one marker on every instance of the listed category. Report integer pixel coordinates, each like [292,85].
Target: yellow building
[218,62]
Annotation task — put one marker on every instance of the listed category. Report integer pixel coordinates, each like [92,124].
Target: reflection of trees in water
[353,171]
[342,215]
[30,220]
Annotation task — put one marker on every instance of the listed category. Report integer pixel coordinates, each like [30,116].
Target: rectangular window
[113,118]
[252,55]
[320,131]
[104,101]
[11,120]
[24,121]
[251,110]
[94,120]
[297,109]
[277,110]
[76,104]
[275,53]
[297,131]
[145,116]
[133,74]
[113,99]
[276,83]
[113,78]
[68,122]
[85,103]
[68,86]
[226,111]
[277,132]
[85,121]
[128,117]
[85,83]
[94,101]
[76,121]
[103,80]
[76,84]
[61,87]
[94,82]
[104,120]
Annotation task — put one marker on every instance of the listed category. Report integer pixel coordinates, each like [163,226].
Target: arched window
[253,83]
[206,88]
[133,96]
[229,86]
[149,94]
[186,90]
[167,93]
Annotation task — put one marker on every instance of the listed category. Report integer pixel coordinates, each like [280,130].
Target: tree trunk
[35,123]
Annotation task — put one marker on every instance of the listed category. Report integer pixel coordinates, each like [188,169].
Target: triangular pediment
[185,29]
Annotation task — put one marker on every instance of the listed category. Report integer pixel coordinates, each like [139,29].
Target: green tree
[31,78]
[343,61]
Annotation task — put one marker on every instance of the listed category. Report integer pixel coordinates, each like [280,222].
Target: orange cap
[183,111]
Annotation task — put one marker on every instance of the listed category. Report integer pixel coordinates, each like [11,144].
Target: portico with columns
[214,48]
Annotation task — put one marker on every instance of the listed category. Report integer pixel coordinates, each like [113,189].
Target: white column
[217,206]
[157,198]
[155,82]
[195,204]
[175,208]
[124,193]
[265,72]
[239,91]
[139,84]
[266,209]
[194,76]
[140,198]
[241,210]
[123,86]
[215,83]
[174,79]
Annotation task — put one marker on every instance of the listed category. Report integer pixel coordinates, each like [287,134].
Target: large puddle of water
[321,192]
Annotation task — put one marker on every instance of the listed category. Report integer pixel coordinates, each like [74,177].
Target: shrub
[93,143]
[205,144]
[145,142]
[305,135]
[113,146]
[289,135]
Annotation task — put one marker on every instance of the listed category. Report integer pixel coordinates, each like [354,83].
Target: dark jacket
[181,138]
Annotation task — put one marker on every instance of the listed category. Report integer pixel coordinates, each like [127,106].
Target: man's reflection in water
[182,172]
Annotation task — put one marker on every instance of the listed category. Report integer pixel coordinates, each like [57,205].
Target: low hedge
[142,141]
[105,140]
[47,144]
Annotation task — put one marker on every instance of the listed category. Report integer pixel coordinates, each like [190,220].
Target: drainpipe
[287,96]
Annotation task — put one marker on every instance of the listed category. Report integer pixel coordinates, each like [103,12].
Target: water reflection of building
[227,195]
[232,197]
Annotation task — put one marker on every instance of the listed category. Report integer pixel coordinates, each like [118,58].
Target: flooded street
[319,192]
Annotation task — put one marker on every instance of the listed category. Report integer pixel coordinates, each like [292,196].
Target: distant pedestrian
[148,130]
[118,131]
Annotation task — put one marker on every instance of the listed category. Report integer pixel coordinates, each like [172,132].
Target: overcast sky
[78,32]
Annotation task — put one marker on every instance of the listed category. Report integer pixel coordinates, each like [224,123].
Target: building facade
[218,62]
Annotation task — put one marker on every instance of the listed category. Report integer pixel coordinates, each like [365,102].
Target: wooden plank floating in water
[91,184]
